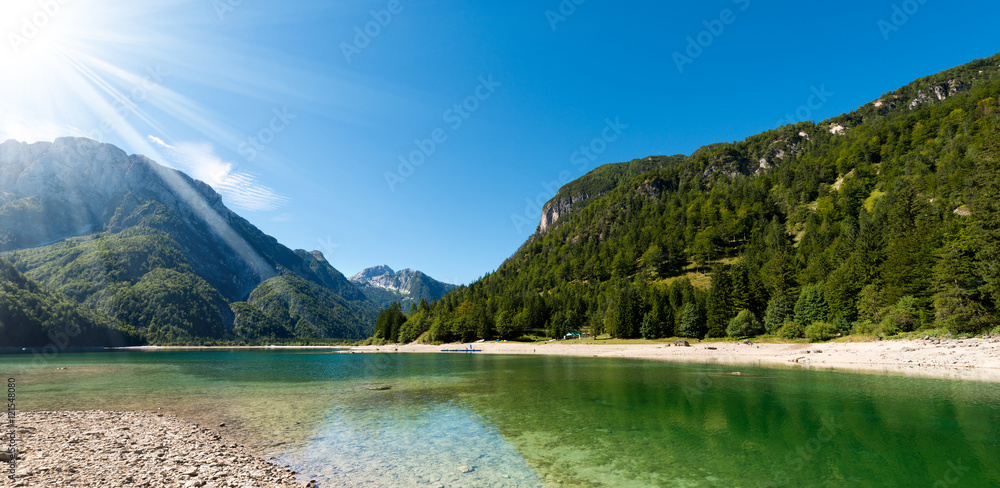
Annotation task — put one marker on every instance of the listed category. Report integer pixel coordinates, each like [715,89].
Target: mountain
[383,286]
[153,248]
[875,222]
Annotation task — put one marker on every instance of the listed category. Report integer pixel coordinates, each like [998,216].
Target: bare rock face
[941,92]
[557,208]
[406,282]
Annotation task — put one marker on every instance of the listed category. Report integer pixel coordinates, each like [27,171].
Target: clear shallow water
[550,421]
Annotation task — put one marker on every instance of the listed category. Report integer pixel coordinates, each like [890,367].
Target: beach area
[975,359]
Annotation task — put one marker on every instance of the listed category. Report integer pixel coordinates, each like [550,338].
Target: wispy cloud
[239,188]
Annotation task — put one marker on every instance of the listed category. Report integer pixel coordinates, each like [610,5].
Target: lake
[491,420]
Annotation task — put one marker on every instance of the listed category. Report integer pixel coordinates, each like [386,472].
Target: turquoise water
[484,420]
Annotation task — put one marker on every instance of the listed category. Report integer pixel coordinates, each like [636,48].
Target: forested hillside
[876,222]
[33,317]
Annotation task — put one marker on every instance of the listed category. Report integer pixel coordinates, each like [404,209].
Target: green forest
[31,316]
[878,222]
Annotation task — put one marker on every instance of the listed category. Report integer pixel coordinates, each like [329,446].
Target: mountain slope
[31,316]
[384,286]
[596,183]
[878,221]
[100,226]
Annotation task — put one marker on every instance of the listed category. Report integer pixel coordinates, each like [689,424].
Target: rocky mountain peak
[383,285]
[371,273]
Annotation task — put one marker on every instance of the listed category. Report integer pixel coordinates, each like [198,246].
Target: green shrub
[865,327]
[821,331]
[745,324]
[791,330]
[843,325]
[902,317]
[887,328]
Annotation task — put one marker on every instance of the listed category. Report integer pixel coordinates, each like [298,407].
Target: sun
[34,35]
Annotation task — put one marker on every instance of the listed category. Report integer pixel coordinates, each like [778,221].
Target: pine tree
[719,307]
[659,321]
[811,306]
[780,309]
[692,324]
[870,304]
[958,303]
[625,314]
[985,206]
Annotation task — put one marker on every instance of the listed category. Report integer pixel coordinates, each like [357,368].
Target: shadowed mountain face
[384,286]
[98,225]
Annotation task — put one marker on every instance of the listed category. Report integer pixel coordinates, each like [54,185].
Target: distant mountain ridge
[158,250]
[384,286]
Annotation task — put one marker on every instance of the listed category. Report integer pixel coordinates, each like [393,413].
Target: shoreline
[198,348]
[961,359]
[141,448]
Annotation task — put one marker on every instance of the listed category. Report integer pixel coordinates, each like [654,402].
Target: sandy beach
[964,359]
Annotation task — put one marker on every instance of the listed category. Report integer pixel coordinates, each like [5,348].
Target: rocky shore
[135,449]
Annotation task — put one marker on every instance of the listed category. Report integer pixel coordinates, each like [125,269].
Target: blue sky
[297,118]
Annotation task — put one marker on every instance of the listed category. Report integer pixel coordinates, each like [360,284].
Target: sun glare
[34,36]
[105,70]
